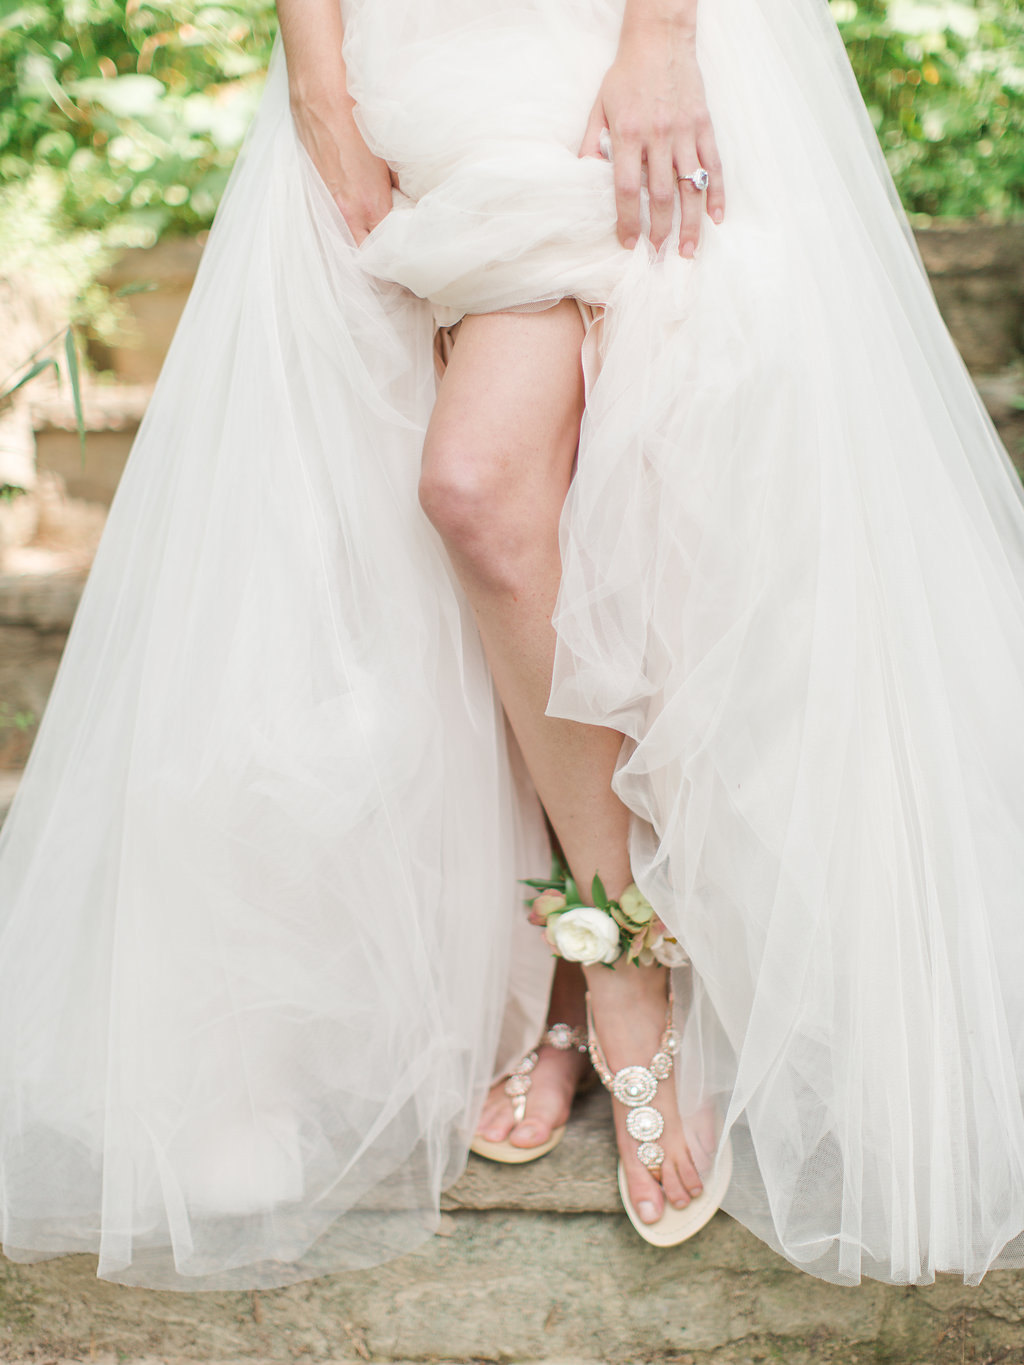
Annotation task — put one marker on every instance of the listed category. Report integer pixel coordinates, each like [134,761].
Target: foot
[553,1081]
[629,1007]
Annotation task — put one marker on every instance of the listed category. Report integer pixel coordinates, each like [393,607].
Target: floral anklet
[602,932]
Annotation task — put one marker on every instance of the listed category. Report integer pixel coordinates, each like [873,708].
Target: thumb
[596,124]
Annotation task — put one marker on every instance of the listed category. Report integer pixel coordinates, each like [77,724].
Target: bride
[503,490]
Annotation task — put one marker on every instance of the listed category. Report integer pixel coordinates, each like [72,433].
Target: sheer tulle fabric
[262,948]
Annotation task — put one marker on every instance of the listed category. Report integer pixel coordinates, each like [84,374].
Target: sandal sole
[515,1156]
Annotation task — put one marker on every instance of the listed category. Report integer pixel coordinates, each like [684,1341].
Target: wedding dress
[262,944]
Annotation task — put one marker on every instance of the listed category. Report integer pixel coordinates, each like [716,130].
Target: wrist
[675,20]
[322,94]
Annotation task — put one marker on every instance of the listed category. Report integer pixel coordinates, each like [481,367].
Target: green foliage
[944,83]
[139,106]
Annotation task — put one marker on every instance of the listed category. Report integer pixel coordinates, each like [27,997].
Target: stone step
[9,779]
[534,1263]
[112,416]
[38,599]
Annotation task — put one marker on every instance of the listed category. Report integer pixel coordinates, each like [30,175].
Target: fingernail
[688,249]
[717,215]
[526,1130]
[630,243]
[681,1203]
[696,1191]
[647,1211]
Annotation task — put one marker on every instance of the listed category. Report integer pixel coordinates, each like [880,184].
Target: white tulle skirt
[262,946]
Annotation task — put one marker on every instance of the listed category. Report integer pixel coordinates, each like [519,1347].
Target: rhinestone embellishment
[652,1154]
[560,1036]
[645,1124]
[634,1085]
[661,1065]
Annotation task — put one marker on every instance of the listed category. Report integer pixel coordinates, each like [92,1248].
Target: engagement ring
[698,178]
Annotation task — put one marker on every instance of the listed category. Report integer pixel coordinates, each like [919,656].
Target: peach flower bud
[547,903]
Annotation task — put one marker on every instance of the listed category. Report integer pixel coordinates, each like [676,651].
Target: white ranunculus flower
[585,935]
[669,952]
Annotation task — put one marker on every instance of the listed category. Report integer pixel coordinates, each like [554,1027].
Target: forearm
[311,31]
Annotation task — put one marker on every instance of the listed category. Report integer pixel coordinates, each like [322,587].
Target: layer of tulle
[261,938]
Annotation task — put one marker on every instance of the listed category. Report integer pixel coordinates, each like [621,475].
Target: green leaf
[135,287]
[572,895]
[71,355]
[31,373]
[598,892]
[541,885]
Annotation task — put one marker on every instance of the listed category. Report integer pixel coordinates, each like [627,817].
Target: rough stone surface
[525,1287]
[977,273]
[35,613]
[574,1178]
[94,474]
[9,780]
[512,1278]
[169,268]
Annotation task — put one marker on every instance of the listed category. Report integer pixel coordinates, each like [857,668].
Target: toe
[496,1118]
[645,1194]
[549,1103]
[530,1133]
[687,1171]
[674,1186]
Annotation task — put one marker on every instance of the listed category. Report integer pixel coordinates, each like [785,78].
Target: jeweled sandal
[636,1087]
[517,1086]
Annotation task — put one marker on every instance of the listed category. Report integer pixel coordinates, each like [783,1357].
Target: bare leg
[496,469]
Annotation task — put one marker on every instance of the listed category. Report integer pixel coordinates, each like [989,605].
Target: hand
[652,103]
[359,181]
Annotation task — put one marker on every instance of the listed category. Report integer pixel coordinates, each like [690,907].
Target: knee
[477,510]
[453,493]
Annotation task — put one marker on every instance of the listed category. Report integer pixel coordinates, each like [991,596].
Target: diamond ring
[698,178]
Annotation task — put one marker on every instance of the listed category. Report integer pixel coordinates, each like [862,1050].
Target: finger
[355,220]
[591,144]
[627,165]
[707,153]
[661,190]
[374,205]
[691,201]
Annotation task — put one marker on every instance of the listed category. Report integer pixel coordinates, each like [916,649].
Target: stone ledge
[9,779]
[522,1287]
[46,600]
[577,1177]
[970,248]
[105,407]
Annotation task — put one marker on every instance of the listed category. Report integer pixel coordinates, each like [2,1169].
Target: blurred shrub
[138,107]
[944,83]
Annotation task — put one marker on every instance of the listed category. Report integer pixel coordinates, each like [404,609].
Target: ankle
[627,980]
